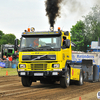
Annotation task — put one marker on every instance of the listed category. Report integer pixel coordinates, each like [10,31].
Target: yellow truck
[47,56]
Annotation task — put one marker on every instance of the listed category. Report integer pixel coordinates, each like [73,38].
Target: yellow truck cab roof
[42,33]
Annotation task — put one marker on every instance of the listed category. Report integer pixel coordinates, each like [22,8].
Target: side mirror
[16,44]
[66,33]
[67,43]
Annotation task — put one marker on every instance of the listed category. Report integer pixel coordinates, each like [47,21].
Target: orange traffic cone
[80,98]
[6,73]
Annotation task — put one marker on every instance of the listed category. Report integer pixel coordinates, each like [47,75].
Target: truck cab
[45,56]
[7,50]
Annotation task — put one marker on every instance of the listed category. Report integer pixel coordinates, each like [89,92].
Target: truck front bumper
[41,73]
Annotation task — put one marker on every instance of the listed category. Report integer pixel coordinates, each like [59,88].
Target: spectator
[4,58]
[10,59]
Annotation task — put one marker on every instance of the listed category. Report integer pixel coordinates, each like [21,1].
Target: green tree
[1,34]
[78,36]
[8,39]
[92,24]
[86,31]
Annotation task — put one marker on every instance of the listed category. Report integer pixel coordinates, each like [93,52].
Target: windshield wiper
[45,47]
[51,49]
[28,48]
[40,49]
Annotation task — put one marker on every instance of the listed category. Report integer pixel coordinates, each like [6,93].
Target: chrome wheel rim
[68,78]
[81,79]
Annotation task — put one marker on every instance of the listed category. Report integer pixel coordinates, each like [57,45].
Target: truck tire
[65,81]
[26,81]
[43,82]
[80,82]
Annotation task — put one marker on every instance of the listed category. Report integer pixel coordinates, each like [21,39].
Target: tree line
[82,33]
[86,30]
[6,38]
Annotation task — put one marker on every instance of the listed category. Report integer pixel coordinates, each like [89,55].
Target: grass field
[9,71]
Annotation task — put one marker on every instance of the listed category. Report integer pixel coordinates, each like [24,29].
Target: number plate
[38,74]
[55,73]
[22,73]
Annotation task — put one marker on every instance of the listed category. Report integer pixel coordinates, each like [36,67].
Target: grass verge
[10,71]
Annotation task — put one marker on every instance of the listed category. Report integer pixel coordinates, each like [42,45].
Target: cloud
[17,15]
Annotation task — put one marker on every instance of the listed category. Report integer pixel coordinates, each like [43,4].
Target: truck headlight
[22,66]
[55,65]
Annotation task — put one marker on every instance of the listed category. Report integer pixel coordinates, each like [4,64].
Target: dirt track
[12,89]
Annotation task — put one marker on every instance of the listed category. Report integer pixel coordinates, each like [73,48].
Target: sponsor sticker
[38,74]
[98,94]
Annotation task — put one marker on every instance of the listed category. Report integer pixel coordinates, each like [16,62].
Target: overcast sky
[18,15]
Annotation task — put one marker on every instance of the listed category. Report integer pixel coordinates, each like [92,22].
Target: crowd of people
[6,58]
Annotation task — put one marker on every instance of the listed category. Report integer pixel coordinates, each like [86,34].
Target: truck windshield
[40,43]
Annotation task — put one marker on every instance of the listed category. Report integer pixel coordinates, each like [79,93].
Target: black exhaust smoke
[52,10]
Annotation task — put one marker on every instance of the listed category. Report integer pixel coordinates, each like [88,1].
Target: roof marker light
[32,29]
[51,28]
[28,29]
[58,28]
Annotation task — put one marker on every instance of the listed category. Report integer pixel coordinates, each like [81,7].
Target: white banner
[79,56]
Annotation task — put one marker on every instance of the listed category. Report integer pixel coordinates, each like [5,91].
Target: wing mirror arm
[16,44]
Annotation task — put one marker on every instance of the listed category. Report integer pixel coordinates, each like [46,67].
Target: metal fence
[9,64]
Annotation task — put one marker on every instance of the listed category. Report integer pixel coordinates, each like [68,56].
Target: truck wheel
[42,82]
[65,81]
[80,82]
[26,81]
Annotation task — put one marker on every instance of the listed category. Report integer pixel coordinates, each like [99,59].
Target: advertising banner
[2,64]
[77,57]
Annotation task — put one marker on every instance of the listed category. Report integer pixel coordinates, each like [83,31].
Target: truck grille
[38,66]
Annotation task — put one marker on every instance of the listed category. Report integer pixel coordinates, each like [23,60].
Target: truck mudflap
[41,73]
